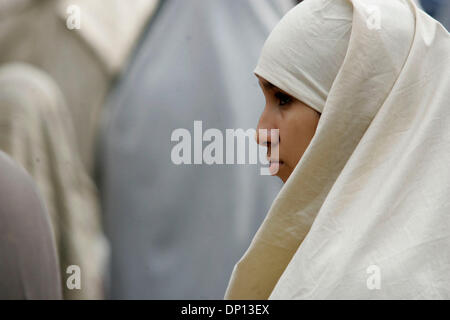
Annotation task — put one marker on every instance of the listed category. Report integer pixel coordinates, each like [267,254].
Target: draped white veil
[366,212]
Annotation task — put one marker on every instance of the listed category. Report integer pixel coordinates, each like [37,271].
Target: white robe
[177,231]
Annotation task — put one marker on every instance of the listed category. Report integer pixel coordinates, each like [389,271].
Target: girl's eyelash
[283,98]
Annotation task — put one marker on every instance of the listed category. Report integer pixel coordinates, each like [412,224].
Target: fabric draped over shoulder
[369,198]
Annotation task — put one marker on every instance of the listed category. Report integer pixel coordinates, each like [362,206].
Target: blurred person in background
[177,231]
[432,7]
[28,259]
[361,106]
[443,14]
[440,9]
[53,79]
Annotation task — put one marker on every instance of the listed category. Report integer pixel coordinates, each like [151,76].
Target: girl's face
[296,123]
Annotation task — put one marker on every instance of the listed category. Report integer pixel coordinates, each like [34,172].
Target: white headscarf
[366,212]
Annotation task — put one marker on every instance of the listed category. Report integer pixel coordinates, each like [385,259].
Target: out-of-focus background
[90,92]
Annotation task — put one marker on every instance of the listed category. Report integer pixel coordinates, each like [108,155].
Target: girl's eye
[283,98]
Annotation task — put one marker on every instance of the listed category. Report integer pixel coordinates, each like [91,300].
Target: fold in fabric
[37,132]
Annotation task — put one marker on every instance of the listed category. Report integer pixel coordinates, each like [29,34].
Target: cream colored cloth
[366,212]
[49,112]
[36,131]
